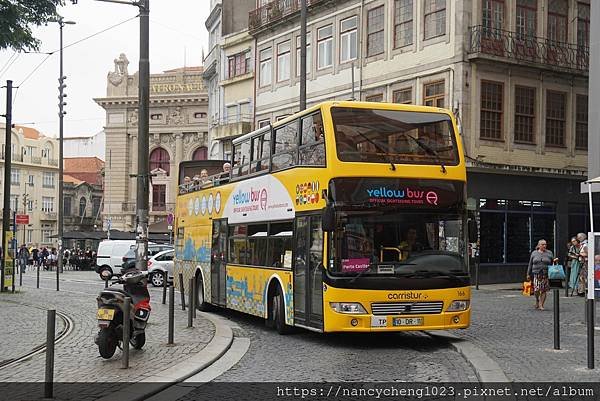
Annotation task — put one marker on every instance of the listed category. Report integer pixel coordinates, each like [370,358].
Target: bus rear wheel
[277,314]
[201,305]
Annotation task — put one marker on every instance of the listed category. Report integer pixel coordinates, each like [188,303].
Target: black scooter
[111,302]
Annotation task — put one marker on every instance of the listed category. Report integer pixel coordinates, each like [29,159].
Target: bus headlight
[456,306]
[348,307]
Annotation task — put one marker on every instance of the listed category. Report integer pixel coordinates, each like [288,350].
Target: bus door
[308,278]
[218,262]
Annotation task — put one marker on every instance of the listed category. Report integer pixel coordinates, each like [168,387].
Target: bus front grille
[407,308]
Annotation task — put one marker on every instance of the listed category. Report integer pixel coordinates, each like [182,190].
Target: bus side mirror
[328,218]
[472,227]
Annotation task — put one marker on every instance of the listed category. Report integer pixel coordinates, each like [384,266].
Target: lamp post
[61,115]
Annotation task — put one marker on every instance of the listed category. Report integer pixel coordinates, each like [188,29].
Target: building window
[15,176]
[201,153]
[555,118]
[378,97]
[96,202]
[557,20]
[159,198]
[29,236]
[29,205]
[375,33]
[159,158]
[31,180]
[46,233]
[524,114]
[263,123]
[493,17]
[67,205]
[434,94]
[200,115]
[510,229]
[265,67]
[237,64]
[403,23]
[325,47]
[232,111]
[526,19]
[402,96]
[308,54]
[30,151]
[156,117]
[48,179]
[45,152]
[348,39]
[82,206]
[581,122]
[583,25]
[435,18]
[47,204]
[14,203]
[491,110]
[283,61]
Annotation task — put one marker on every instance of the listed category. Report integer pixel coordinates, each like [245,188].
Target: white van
[110,255]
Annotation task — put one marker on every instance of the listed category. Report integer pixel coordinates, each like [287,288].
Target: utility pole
[7,170]
[302,55]
[61,116]
[143,175]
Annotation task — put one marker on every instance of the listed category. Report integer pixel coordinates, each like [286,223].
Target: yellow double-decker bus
[348,216]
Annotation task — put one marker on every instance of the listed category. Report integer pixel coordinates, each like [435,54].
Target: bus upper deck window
[312,145]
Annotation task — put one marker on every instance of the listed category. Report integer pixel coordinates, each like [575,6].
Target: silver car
[159,264]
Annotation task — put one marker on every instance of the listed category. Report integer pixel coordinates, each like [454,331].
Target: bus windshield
[393,136]
[398,243]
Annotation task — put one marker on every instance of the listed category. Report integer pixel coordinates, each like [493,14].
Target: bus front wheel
[277,314]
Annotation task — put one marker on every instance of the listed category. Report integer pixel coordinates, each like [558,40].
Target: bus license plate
[378,321]
[408,321]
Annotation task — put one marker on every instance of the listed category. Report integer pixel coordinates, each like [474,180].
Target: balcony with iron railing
[273,12]
[44,215]
[515,48]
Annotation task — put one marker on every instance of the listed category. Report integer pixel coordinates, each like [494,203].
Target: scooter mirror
[105,274]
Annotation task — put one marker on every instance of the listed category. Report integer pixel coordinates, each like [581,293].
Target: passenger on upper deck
[224,177]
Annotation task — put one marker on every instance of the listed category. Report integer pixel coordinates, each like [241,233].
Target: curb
[486,369]
[215,349]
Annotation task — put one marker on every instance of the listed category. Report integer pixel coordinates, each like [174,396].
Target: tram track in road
[41,348]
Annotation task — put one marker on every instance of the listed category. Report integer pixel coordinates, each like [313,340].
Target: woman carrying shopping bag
[539,261]
[573,257]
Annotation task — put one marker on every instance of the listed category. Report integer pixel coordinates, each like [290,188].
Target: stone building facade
[178,132]
[515,72]
[34,184]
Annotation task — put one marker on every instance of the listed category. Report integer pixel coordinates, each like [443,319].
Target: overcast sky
[177,34]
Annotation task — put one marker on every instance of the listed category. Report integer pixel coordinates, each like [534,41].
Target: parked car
[110,255]
[153,249]
[159,264]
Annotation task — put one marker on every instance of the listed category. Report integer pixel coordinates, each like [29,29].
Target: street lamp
[61,115]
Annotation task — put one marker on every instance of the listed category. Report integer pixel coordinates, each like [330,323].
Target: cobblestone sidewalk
[521,339]
[76,357]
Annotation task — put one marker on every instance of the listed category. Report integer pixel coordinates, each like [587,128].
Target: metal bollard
[568,275]
[50,330]
[171,313]
[194,297]
[21,276]
[164,287]
[126,323]
[190,305]
[556,319]
[38,277]
[182,291]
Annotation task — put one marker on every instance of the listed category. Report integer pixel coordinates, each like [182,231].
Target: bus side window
[286,143]
[280,241]
[312,145]
[261,149]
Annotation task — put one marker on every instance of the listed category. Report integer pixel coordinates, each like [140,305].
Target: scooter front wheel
[138,341]
[107,343]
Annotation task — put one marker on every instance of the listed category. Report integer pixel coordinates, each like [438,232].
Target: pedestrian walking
[573,261]
[539,261]
[23,256]
[583,269]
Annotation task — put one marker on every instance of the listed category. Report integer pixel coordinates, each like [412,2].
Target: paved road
[311,357]
[507,327]
[77,358]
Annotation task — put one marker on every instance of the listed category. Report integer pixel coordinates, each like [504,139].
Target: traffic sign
[22,219]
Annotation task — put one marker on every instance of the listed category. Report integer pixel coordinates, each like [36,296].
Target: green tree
[18,16]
